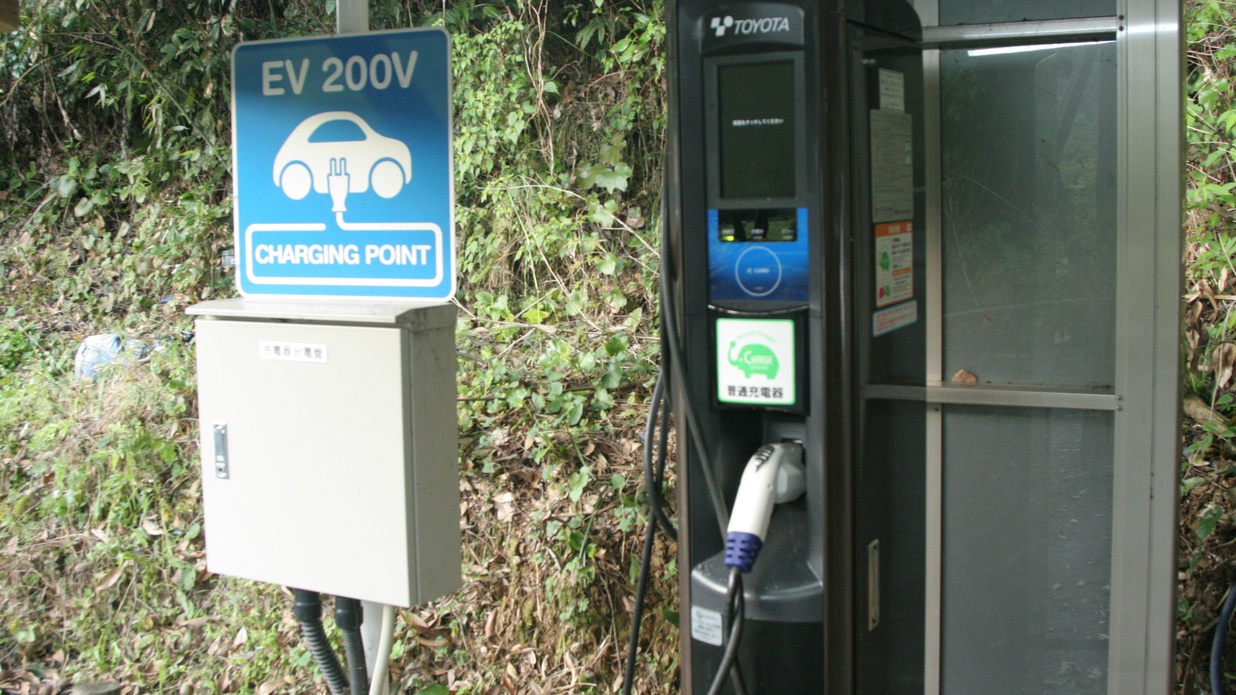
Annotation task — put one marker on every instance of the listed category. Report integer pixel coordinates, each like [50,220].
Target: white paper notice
[892,90]
[892,166]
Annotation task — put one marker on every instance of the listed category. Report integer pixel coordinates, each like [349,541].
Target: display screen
[757,148]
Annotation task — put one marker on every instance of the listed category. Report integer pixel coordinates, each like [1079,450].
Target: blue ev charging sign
[341,151]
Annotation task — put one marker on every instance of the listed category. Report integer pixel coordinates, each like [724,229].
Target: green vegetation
[1208,523]
[115,210]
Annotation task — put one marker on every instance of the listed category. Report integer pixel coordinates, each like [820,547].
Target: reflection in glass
[998,11]
[1027,551]
[1029,205]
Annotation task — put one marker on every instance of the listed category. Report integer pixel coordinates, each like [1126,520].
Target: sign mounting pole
[352,17]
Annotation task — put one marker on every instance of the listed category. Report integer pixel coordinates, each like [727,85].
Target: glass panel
[1029,212]
[1027,550]
[999,11]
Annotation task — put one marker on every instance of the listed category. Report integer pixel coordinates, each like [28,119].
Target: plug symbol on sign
[327,144]
[337,184]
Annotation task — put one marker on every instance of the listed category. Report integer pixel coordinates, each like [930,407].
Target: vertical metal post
[933,582]
[10,15]
[352,17]
[1147,436]
[371,632]
[928,12]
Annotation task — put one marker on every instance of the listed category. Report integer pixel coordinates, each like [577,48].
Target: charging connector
[774,475]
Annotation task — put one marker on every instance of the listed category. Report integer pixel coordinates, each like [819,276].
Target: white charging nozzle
[773,475]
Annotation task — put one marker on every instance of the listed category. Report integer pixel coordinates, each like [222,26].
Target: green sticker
[754,358]
[756,362]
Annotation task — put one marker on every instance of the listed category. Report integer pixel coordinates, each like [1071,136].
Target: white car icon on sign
[303,162]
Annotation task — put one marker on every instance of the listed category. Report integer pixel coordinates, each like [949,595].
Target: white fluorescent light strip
[1005,50]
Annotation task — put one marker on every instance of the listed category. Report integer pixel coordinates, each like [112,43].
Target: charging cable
[1219,644]
[736,609]
[656,442]
[655,459]
[774,475]
[673,368]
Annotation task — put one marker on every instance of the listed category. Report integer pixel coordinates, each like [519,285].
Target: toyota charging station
[794,273]
[920,307]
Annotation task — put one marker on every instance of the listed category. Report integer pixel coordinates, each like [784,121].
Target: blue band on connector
[741,550]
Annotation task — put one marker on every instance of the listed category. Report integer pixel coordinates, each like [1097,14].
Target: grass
[103,569]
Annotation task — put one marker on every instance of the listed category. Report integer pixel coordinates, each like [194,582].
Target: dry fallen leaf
[1222,362]
[418,623]
[110,579]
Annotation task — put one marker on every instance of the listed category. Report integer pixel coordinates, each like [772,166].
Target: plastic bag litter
[99,351]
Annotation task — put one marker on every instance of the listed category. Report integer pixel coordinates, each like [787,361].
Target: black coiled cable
[654,457]
[737,609]
[349,616]
[1220,643]
[308,610]
[655,444]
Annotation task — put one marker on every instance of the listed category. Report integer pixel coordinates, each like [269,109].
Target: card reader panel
[759,233]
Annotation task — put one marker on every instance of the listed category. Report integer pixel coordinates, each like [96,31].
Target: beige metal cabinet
[329,446]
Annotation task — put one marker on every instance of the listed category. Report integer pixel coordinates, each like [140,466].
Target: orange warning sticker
[894,261]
